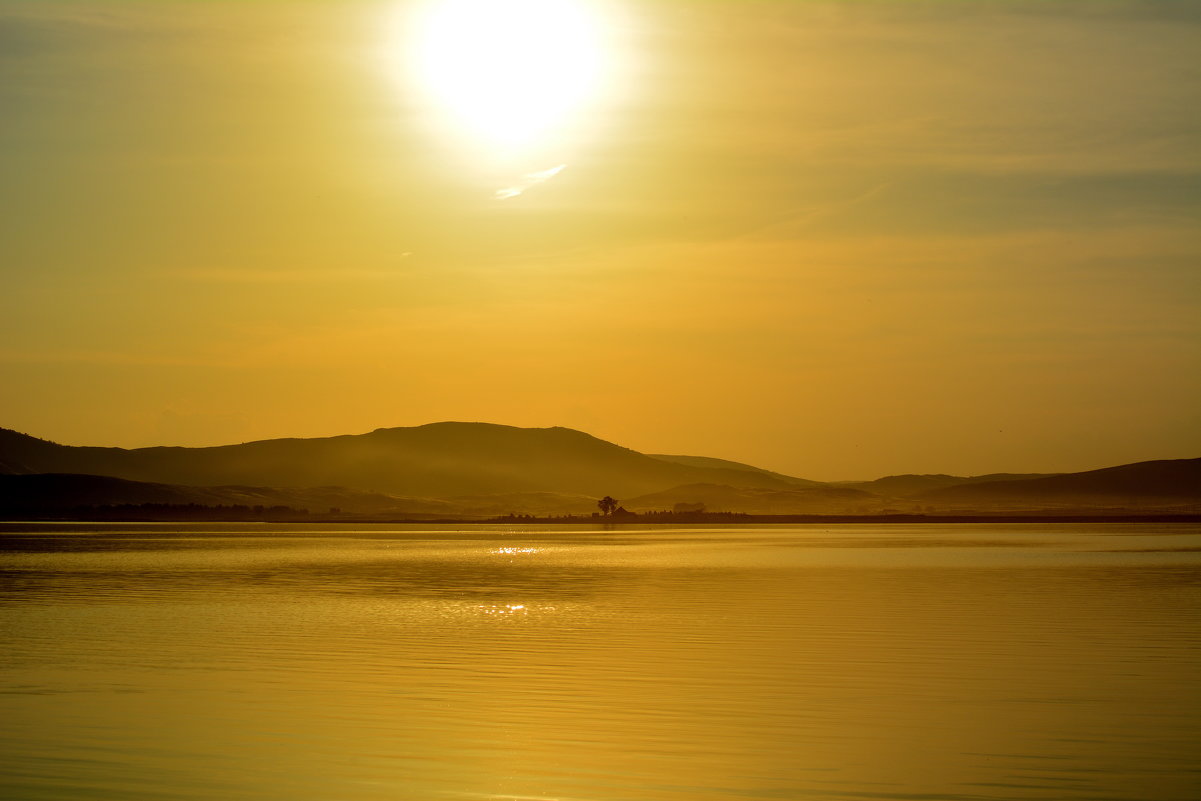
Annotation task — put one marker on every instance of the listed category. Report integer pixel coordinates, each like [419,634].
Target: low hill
[909,484]
[439,460]
[480,469]
[1165,482]
[42,494]
[523,503]
[722,498]
[726,464]
[60,492]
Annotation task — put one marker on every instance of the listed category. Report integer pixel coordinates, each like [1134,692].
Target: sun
[510,74]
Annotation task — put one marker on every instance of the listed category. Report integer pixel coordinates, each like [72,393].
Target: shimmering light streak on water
[317,663]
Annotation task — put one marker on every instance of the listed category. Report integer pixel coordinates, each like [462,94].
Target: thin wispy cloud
[250,276]
[528,180]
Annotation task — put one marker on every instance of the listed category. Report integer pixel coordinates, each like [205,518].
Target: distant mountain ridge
[435,460]
[909,484]
[1162,481]
[819,499]
[56,494]
[481,469]
[726,464]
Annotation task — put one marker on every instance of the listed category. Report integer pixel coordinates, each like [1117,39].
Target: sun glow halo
[511,73]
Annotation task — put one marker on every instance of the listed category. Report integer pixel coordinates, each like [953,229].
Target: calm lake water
[343,663]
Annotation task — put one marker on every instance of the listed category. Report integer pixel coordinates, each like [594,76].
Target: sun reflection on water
[511,609]
[503,609]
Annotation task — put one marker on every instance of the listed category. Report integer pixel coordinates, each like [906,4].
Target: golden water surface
[344,663]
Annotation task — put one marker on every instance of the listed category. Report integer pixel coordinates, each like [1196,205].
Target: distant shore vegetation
[169,513]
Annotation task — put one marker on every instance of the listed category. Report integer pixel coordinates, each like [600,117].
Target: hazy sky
[836,239]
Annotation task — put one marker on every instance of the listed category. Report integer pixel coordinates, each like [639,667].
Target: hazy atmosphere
[600,400]
[834,239]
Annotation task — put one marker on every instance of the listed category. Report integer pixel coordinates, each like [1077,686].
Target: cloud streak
[528,180]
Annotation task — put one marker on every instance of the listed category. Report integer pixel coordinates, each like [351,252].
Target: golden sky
[836,239]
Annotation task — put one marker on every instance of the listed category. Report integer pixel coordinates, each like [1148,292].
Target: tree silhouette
[607,505]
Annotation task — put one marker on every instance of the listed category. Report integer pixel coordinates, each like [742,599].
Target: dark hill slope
[435,460]
[794,500]
[911,484]
[34,495]
[49,491]
[59,492]
[1165,481]
[726,464]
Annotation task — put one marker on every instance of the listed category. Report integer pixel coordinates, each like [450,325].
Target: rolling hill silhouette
[909,484]
[59,491]
[819,499]
[482,469]
[438,460]
[58,494]
[726,464]
[1163,482]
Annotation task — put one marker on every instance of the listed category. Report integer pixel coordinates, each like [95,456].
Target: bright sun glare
[511,73]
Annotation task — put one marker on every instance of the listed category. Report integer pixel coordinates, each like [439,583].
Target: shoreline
[649,519]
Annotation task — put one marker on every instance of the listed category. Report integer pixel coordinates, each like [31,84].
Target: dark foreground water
[307,663]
